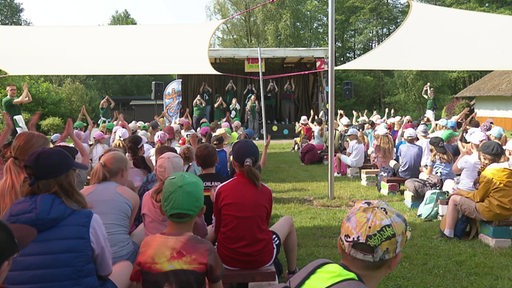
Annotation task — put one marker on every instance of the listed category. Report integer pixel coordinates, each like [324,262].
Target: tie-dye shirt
[176,261]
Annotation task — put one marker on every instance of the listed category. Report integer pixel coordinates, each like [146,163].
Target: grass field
[302,192]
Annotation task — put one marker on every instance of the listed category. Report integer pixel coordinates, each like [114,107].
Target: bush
[454,107]
[52,125]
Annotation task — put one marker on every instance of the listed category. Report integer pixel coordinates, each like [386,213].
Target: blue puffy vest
[61,255]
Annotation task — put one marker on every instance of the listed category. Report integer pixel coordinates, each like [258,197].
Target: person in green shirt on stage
[230,92]
[199,111]
[206,94]
[12,105]
[219,110]
[106,106]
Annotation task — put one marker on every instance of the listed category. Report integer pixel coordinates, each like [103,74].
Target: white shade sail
[107,50]
[442,39]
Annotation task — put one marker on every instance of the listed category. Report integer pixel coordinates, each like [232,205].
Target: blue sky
[98,12]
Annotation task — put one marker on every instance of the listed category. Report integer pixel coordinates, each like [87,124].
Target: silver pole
[262,106]
[332,107]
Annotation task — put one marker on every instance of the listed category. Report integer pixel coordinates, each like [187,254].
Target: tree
[11,13]
[298,23]
[123,18]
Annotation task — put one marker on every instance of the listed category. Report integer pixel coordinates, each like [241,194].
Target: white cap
[381,131]
[476,136]
[409,133]
[352,131]
[304,120]
[133,126]
[345,121]
[122,133]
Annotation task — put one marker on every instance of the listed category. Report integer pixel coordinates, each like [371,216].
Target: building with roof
[493,98]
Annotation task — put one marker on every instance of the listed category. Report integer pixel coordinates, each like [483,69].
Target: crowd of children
[128,190]
[164,205]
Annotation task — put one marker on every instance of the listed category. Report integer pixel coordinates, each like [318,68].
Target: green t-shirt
[198,111]
[230,94]
[254,114]
[431,104]
[10,107]
[219,113]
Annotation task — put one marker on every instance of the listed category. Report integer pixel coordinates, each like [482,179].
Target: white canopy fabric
[442,39]
[107,50]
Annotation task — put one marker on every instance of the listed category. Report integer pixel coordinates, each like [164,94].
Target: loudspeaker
[348,90]
[157,90]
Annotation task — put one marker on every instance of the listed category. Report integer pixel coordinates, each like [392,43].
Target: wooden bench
[394,179]
[265,276]
[369,166]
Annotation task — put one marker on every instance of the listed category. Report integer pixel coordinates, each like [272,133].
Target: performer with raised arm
[12,105]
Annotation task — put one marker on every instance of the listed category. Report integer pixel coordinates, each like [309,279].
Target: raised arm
[112,103]
[461,114]
[263,160]
[25,96]
[426,91]
[90,124]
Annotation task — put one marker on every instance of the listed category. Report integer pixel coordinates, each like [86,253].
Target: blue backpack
[429,207]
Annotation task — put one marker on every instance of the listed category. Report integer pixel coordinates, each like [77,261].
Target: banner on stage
[172,101]
[252,65]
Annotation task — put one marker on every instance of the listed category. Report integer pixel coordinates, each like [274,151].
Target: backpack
[429,207]
[385,171]
[309,154]
[298,280]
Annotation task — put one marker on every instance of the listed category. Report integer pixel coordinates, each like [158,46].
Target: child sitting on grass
[176,257]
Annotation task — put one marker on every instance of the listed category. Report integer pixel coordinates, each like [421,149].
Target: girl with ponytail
[242,210]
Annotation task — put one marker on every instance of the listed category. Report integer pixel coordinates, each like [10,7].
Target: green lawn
[302,192]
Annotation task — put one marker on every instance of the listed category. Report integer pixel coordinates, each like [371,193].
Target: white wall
[494,106]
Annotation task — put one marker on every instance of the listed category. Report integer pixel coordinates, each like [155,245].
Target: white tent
[107,50]
[442,39]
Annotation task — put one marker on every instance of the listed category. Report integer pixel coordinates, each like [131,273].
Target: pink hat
[168,164]
[161,137]
[169,130]
[225,125]
[204,131]
[99,135]
[79,134]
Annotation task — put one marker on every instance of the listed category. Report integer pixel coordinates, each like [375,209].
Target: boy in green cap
[176,257]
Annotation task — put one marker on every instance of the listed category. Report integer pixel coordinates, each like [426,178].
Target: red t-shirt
[242,216]
[307,131]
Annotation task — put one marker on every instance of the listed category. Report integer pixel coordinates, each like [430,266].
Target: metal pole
[262,106]
[332,106]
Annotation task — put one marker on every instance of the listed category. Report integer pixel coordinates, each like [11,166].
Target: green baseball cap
[79,124]
[110,126]
[182,197]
